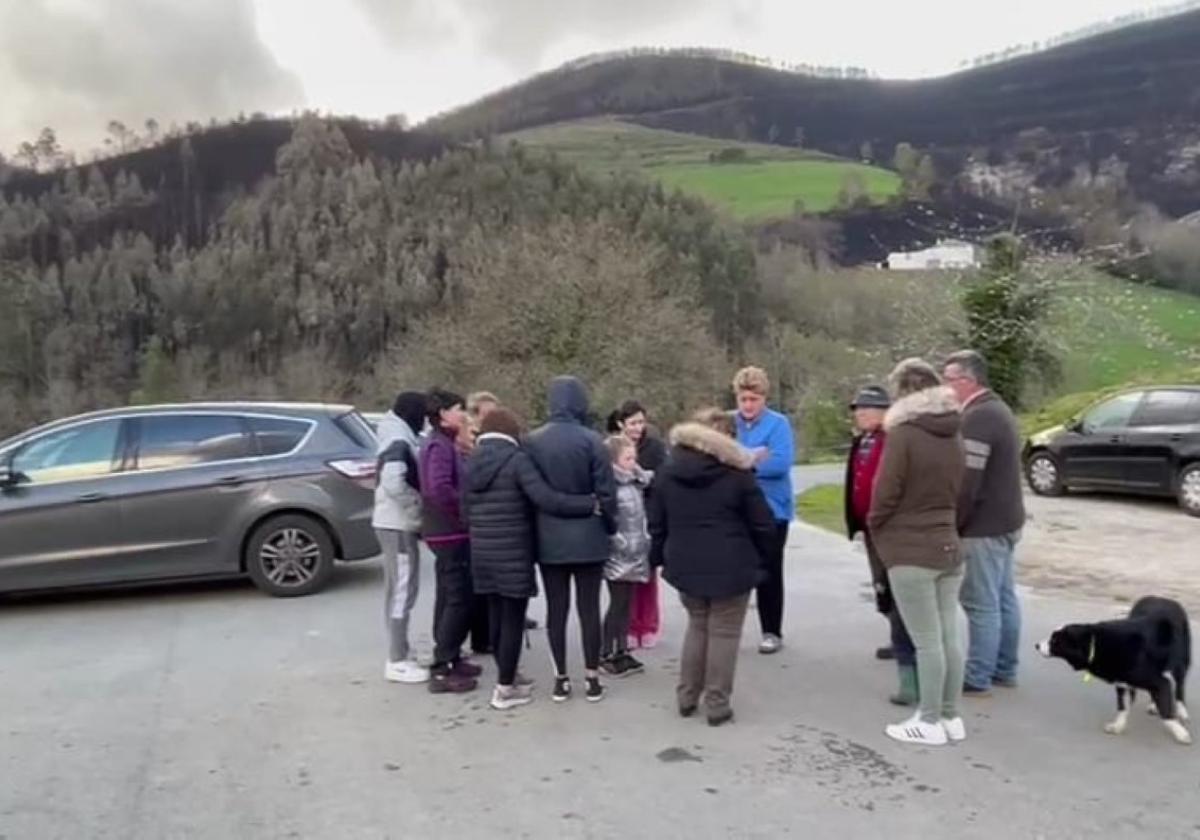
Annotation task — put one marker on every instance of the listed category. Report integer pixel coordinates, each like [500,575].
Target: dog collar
[1087,672]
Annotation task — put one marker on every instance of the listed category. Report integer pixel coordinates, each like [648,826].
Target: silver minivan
[275,491]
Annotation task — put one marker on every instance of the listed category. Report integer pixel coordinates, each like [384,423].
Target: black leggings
[507,617]
[770,591]
[557,582]
[616,620]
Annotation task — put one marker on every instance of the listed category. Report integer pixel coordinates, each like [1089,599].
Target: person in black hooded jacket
[712,529]
[573,459]
[503,487]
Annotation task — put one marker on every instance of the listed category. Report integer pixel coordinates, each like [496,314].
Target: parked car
[156,493]
[1145,441]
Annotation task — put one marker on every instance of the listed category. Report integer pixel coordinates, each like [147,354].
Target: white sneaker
[770,644]
[407,672]
[916,731]
[956,730]
[511,697]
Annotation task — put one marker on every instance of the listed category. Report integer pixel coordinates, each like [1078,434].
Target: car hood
[1046,436]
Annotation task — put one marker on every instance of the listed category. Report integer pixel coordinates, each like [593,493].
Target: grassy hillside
[1129,93]
[1112,331]
[767,184]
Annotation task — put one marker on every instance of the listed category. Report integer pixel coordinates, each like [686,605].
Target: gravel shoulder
[1112,547]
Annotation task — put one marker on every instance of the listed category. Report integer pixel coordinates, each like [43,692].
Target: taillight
[359,470]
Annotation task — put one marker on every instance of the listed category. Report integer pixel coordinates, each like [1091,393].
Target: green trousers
[928,603]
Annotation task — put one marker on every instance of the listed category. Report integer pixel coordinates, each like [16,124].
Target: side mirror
[8,476]
[1075,425]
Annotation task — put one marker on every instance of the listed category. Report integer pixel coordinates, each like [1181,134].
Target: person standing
[713,533]
[912,522]
[572,458]
[628,566]
[645,616]
[503,486]
[479,405]
[768,435]
[862,467]
[445,531]
[991,514]
[397,523]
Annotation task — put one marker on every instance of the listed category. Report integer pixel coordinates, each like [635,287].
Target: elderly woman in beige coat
[912,521]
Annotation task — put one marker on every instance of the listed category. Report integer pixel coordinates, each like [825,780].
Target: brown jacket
[913,510]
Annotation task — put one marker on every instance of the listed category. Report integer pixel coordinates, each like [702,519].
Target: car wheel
[1043,475]
[1189,489]
[290,555]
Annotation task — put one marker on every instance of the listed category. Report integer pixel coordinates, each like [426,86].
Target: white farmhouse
[947,253]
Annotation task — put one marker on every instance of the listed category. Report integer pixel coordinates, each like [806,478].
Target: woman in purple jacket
[445,532]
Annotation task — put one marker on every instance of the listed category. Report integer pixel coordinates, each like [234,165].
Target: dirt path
[1115,548]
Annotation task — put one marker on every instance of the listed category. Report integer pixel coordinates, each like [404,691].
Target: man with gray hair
[991,514]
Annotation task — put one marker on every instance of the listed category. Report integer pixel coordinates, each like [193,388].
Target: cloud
[521,32]
[77,65]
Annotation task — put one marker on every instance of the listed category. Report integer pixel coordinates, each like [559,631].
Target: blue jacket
[773,431]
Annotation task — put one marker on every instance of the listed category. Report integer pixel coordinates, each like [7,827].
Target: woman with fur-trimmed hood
[712,529]
[914,526]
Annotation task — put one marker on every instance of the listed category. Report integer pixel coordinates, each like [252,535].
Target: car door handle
[88,498]
[1175,438]
[231,480]
[1115,439]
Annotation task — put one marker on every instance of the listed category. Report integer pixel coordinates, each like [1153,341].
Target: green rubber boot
[908,694]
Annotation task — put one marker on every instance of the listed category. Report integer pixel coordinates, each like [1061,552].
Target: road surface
[215,712]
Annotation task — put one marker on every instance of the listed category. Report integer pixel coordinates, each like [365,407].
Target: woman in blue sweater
[768,434]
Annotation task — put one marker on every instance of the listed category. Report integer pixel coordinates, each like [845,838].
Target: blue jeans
[989,597]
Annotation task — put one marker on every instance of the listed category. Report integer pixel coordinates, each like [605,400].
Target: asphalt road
[214,712]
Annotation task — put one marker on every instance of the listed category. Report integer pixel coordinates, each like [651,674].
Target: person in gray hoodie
[397,523]
[629,561]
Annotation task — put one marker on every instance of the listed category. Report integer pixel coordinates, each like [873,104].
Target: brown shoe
[448,682]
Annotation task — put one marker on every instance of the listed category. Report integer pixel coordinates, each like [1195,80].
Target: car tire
[290,555]
[1043,474]
[1188,489]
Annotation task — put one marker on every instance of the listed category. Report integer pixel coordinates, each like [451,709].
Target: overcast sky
[76,64]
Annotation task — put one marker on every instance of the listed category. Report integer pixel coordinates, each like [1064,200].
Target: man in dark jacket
[503,487]
[573,459]
[991,514]
[713,531]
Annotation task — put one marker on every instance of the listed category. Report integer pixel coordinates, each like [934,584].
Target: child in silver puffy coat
[629,562]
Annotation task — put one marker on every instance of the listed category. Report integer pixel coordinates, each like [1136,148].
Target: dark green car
[277,492]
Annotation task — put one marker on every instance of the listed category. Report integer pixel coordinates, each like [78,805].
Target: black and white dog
[1151,649]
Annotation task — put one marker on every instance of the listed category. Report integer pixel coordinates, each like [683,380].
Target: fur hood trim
[928,403]
[711,442]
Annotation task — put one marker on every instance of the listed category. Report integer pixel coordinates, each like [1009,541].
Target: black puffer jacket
[503,486]
[709,522]
[573,459]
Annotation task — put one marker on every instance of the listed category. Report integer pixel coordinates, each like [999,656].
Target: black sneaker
[562,690]
[629,665]
[976,691]
[595,691]
[611,665]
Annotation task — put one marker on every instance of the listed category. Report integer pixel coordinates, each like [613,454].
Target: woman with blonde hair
[913,524]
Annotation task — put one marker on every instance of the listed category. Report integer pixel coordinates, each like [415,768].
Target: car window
[357,429]
[170,441]
[277,436]
[1169,408]
[1114,414]
[84,451]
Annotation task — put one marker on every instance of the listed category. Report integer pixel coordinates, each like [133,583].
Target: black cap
[872,396]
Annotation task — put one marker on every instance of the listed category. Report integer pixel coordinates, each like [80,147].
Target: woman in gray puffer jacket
[629,560]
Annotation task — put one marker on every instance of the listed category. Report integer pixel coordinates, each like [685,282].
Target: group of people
[933,484]
[498,506]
